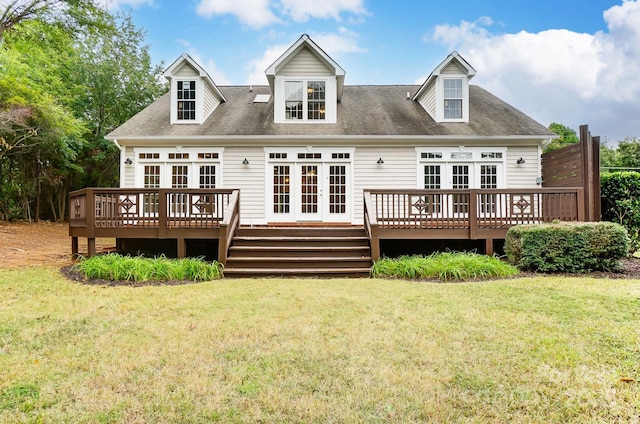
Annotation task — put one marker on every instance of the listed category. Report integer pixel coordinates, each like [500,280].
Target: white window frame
[475,160]
[440,98]
[199,100]
[166,164]
[330,100]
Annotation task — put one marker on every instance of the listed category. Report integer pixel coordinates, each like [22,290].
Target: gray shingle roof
[364,111]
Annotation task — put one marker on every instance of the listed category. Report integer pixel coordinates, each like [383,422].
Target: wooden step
[277,263]
[299,251]
[297,272]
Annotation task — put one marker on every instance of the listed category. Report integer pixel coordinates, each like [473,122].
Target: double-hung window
[186,100]
[452,98]
[305,100]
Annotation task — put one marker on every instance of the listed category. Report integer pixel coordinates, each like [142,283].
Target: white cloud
[258,66]
[560,75]
[334,44]
[254,13]
[303,10]
[337,44]
[209,65]
[260,13]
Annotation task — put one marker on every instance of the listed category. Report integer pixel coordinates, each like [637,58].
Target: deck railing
[464,214]
[154,213]
[148,208]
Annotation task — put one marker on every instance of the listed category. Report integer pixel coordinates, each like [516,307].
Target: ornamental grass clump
[118,267]
[444,266]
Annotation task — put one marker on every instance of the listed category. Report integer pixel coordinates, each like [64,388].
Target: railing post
[163,210]
[473,215]
[91,212]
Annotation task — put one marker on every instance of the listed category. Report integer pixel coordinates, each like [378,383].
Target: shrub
[117,267]
[621,202]
[445,266]
[567,247]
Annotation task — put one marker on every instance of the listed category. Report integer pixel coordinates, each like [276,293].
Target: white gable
[305,63]
[207,96]
[452,75]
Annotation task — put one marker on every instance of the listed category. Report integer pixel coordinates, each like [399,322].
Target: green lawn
[271,351]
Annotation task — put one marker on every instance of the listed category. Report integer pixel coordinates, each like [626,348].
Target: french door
[310,191]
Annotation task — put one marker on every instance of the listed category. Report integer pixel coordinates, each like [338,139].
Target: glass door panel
[460,180]
[310,192]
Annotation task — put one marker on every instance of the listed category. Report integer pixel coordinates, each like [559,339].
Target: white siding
[249,179]
[305,63]
[428,100]
[185,71]
[210,102]
[129,170]
[452,68]
[397,171]
[522,176]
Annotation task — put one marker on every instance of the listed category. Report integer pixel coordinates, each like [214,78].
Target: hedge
[621,202]
[567,247]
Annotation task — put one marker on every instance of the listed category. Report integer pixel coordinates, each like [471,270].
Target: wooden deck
[214,214]
[464,214]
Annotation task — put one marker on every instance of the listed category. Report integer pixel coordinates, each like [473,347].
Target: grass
[546,349]
[117,267]
[445,266]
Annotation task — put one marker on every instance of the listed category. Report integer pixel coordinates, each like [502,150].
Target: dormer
[306,84]
[194,95]
[445,93]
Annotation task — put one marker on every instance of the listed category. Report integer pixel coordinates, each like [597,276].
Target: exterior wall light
[520,161]
[128,161]
[245,161]
[380,161]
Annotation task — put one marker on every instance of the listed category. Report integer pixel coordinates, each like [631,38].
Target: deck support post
[488,247]
[74,248]
[119,245]
[182,248]
[91,246]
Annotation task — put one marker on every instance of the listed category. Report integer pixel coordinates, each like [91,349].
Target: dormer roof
[455,59]
[306,42]
[185,60]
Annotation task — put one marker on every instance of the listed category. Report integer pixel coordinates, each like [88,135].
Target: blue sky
[569,61]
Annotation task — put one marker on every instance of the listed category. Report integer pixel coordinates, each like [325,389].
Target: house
[445,160]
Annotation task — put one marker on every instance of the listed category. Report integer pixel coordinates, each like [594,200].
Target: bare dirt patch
[40,244]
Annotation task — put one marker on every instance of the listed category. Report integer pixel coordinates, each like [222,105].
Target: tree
[566,136]
[66,80]
[625,155]
[118,81]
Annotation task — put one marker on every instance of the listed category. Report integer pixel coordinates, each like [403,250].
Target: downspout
[115,141]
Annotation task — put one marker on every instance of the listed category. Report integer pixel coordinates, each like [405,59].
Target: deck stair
[299,252]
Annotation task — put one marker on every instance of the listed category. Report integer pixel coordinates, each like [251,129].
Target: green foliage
[70,72]
[444,266]
[567,247]
[566,136]
[117,267]
[626,154]
[621,202]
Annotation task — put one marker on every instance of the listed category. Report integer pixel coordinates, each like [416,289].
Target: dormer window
[445,93]
[452,98]
[301,102]
[307,85]
[186,100]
